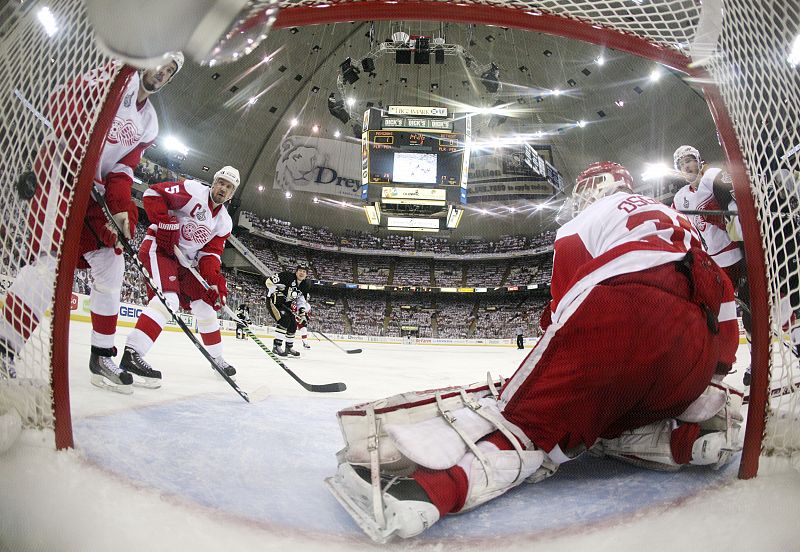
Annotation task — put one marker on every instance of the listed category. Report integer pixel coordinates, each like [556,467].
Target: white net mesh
[747,59]
[48,111]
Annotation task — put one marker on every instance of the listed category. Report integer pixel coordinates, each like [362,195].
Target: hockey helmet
[170,57]
[228,173]
[599,180]
[302,265]
[682,152]
[178,58]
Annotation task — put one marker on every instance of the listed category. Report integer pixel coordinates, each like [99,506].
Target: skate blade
[356,510]
[103,383]
[147,383]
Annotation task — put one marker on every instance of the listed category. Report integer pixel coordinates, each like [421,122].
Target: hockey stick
[126,245]
[348,351]
[322,388]
[775,334]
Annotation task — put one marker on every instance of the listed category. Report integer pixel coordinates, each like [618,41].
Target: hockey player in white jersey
[134,129]
[711,189]
[193,217]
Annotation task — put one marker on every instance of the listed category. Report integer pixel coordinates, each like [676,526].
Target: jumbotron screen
[422,158]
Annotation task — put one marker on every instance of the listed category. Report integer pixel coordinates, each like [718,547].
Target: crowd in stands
[366,314]
[523,272]
[360,312]
[395,242]
[413,313]
[500,318]
[321,236]
[151,172]
[487,273]
[448,274]
[412,272]
[454,317]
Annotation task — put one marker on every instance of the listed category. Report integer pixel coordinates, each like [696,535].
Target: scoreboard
[420,157]
[414,167]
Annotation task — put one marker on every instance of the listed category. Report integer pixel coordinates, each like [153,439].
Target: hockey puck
[26,185]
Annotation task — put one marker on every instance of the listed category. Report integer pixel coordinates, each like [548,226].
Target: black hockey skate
[7,370]
[106,374]
[229,370]
[306,345]
[290,351]
[278,350]
[143,374]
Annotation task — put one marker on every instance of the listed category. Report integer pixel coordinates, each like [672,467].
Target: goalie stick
[126,245]
[348,351]
[316,388]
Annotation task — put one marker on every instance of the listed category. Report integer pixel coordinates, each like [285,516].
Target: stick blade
[337,387]
[353,351]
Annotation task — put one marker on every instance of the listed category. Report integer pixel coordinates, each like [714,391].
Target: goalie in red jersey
[640,331]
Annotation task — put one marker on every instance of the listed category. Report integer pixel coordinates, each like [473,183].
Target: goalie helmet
[682,152]
[599,180]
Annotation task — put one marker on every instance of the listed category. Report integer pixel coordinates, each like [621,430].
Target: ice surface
[191,466]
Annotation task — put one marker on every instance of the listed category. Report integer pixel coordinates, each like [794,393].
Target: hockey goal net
[738,55]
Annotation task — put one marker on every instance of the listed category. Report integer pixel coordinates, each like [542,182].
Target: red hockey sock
[148,327]
[681,441]
[447,489]
[106,325]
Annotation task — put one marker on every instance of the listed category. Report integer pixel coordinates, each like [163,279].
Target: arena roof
[240,113]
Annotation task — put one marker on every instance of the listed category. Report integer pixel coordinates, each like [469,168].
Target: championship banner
[319,165]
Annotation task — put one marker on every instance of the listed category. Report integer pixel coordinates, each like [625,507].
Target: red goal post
[751,90]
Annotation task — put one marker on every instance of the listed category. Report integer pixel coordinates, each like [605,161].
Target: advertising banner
[319,165]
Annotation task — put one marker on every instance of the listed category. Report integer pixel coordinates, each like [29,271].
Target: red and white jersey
[133,130]
[618,234]
[717,242]
[203,227]
[69,108]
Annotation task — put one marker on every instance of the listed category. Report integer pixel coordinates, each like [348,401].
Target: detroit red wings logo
[193,232]
[124,132]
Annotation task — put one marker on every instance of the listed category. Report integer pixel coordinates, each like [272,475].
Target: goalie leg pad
[439,443]
[497,472]
[364,426]
[646,447]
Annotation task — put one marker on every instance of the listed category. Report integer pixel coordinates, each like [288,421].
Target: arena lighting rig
[401,45]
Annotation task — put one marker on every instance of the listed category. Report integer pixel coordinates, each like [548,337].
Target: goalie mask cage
[735,51]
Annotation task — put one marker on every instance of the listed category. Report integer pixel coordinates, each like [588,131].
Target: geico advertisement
[80,306]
